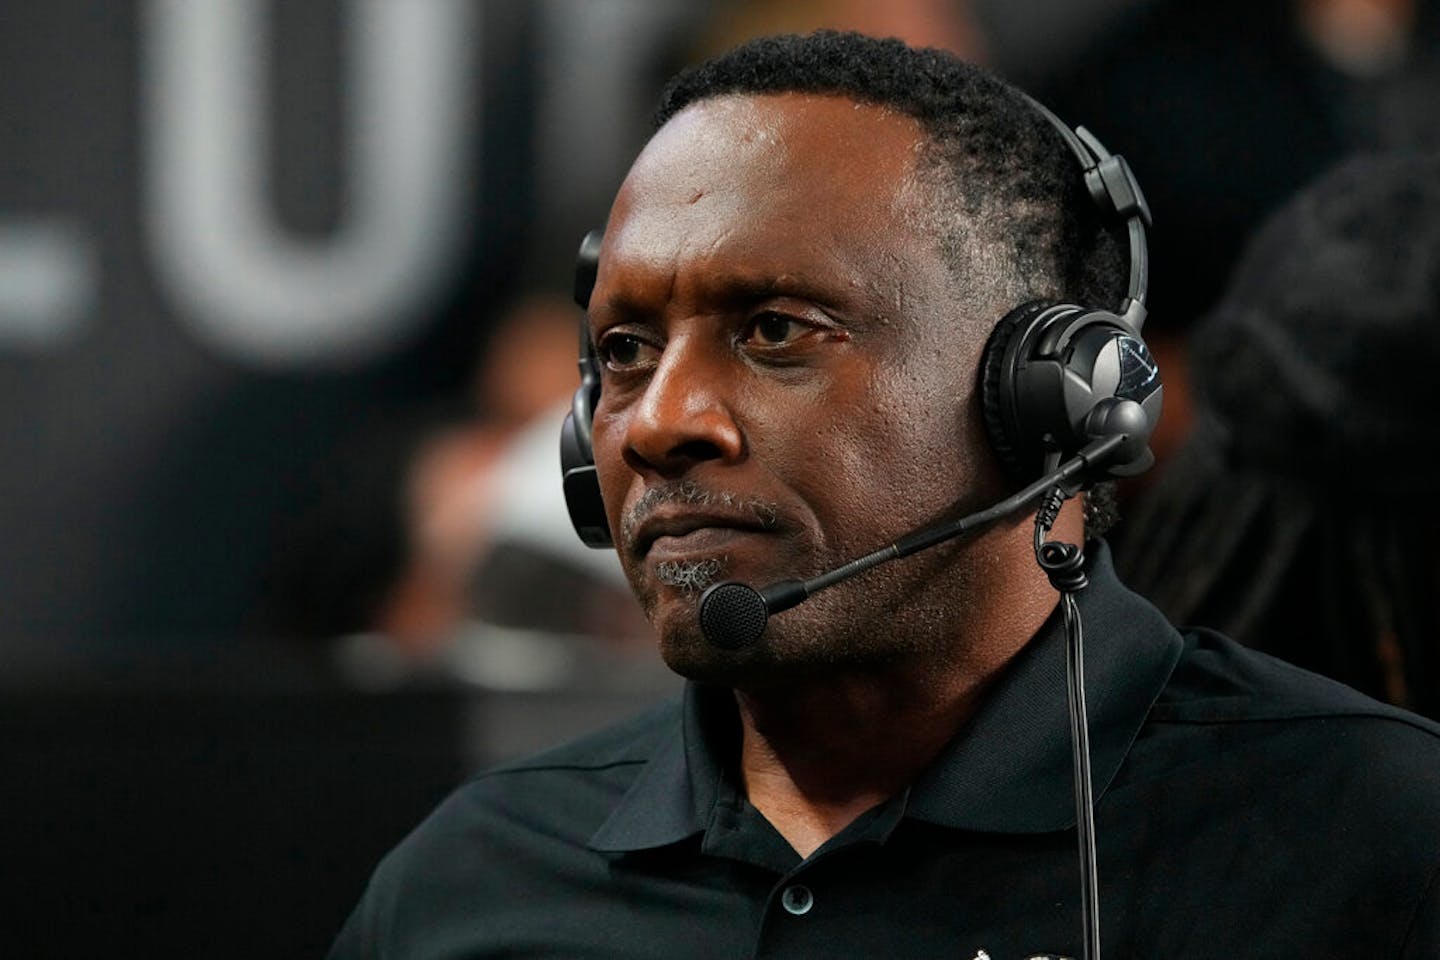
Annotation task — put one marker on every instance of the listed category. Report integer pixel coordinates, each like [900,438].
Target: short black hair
[1000,165]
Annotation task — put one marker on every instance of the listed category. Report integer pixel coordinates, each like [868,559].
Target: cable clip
[1064,564]
[1049,508]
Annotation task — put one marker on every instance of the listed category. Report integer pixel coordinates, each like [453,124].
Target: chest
[933,892]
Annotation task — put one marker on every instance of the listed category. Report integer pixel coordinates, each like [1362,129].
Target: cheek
[613,474]
[887,456]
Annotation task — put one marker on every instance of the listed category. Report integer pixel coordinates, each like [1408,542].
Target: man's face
[787,379]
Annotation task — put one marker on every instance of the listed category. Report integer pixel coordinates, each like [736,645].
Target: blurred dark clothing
[1295,516]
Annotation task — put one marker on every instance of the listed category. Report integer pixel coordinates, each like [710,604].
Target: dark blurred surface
[206,812]
[234,807]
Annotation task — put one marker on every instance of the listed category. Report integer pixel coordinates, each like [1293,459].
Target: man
[796,287]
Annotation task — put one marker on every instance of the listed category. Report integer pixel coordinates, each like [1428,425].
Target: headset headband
[1113,187]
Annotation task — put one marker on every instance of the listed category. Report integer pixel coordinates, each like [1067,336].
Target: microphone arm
[733,615]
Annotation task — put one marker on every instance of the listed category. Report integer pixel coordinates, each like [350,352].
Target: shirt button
[797,899]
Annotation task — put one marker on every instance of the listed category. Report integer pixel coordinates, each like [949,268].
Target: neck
[817,753]
[817,757]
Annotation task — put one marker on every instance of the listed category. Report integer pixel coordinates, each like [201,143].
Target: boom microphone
[734,615]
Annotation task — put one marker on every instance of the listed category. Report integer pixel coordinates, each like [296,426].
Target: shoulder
[1218,680]
[576,782]
[1252,778]
[1269,721]
[564,793]
[517,830]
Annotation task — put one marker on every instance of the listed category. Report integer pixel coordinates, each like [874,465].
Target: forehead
[810,179]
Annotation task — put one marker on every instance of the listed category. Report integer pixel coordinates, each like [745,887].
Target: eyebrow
[727,292]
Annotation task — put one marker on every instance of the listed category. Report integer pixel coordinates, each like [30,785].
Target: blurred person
[839,302]
[1228,107]
[339,554]
[452,497]
[1295,518]
[431,526]
[491,539]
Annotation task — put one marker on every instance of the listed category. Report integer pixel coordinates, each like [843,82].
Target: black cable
[1064,564]
[1084,804]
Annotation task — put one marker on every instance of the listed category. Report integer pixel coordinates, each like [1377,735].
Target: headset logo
[1138,372]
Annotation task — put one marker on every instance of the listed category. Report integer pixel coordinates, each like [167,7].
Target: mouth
[688,534]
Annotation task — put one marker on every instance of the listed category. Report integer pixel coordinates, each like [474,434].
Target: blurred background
[285,341]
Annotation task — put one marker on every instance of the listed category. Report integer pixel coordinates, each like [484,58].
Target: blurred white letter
[250,290]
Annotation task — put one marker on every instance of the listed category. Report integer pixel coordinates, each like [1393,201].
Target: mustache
[691,576]
[766,513]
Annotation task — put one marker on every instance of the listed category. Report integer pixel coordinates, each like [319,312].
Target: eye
[624,351]
[775,329]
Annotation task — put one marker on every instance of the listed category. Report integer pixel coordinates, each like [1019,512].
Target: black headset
[577,456]
[1052,376]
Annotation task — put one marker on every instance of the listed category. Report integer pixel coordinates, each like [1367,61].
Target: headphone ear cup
[1056,376]
[577,462]
[997,388]
[582,490]
[577,454]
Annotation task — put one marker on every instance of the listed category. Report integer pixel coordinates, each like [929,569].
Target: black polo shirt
[1244,808]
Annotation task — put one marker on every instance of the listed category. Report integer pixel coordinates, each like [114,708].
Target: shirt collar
[675,794]
[1008,771]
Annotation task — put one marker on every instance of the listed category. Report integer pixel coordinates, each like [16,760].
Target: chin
[782,655]
[682,645]
[686,651]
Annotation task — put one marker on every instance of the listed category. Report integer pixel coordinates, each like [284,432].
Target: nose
[685,415]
